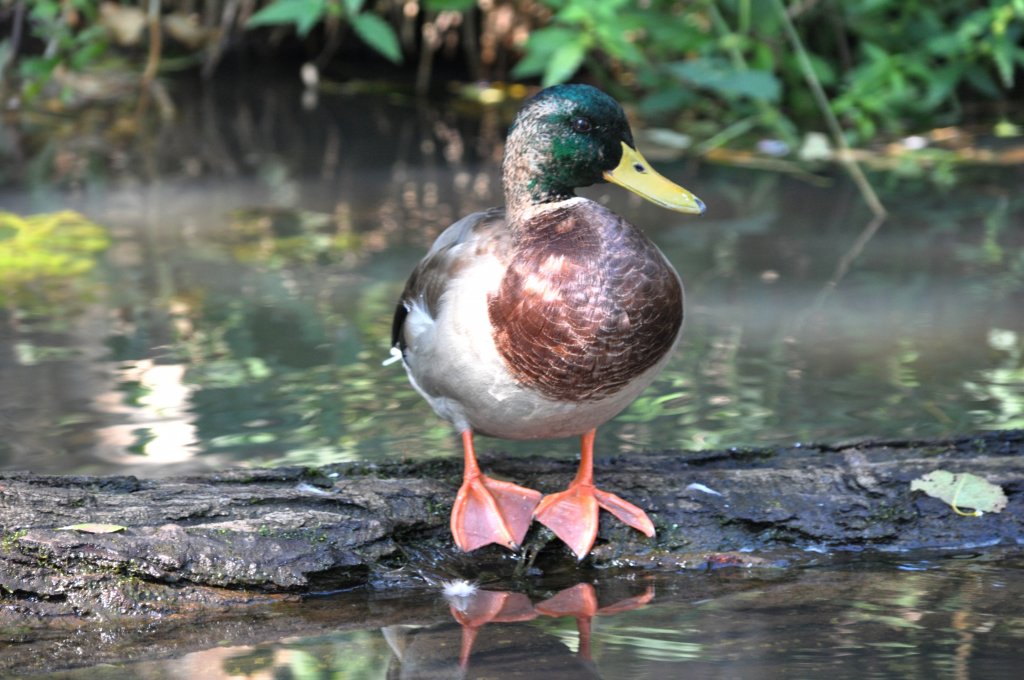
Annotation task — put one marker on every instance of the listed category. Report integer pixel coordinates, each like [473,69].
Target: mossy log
[261,535]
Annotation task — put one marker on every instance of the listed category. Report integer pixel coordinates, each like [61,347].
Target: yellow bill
[637,175]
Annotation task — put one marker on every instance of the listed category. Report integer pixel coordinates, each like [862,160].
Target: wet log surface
[211,543]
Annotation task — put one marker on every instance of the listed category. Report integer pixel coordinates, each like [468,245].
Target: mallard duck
[546,318]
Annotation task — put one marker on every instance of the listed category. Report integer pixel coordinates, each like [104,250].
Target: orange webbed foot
[573,514]
[626,512]
[491,511]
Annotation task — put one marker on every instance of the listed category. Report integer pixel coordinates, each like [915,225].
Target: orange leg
[572,514]
[487,510]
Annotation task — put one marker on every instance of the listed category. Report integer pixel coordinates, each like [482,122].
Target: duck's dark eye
[582,125]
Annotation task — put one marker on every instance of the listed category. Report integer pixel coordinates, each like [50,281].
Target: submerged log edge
[249,536]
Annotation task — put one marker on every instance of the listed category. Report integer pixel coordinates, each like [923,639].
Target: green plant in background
[70,36]
[888,65]
[914,60]
[580,28]
[305,14]
[718,68]
[656,48]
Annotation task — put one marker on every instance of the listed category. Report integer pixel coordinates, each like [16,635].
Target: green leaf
[1003,53]
[88,54]
[961,490]
[614,43]
[667,100]
[823,69]
[376,33]
[944,45]
[37,68]
[540,47]
[942,84]
[353,7]
[578,14]
[549,39]
[532,64]
[94,528]
[451,5]
[564,63]
[980,80]
[44,9]
[303,13]
[874,52]
[724,79]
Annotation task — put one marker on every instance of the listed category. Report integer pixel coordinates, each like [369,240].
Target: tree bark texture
[252,536]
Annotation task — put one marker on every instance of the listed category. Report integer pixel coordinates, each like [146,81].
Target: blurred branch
[228,15]
[866,190]
[17,25]
[155,43]
[842,267]
[431,41]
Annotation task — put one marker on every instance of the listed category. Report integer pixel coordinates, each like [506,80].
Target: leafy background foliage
[887,66]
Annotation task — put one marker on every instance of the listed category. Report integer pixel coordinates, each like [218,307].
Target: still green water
[242,307]
[954,616]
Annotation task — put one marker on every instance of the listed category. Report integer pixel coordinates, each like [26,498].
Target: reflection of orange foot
[573,514]
[488,510]
[477,608]
[489,606]
[580,602]
[483,607]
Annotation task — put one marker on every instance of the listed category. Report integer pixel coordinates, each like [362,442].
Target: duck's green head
[571,136]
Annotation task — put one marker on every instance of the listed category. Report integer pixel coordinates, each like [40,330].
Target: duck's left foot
[573,514]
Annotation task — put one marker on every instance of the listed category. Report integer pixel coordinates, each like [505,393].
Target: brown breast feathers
[587,304]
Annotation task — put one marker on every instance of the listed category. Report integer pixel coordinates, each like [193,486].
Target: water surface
[925,616]
[243,307]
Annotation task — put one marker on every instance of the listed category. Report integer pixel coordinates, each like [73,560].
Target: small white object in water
[396,355]
[458,588]
[695,486]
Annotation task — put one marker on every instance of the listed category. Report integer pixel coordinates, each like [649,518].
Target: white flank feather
[395,356]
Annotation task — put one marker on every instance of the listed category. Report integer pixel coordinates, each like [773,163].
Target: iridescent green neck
[537,169]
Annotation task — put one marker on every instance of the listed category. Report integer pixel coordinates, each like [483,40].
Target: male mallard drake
[547,318]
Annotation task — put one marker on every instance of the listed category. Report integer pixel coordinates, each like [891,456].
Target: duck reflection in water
[506,649]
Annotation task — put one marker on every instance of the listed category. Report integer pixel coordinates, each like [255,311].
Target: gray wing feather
[426,285]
